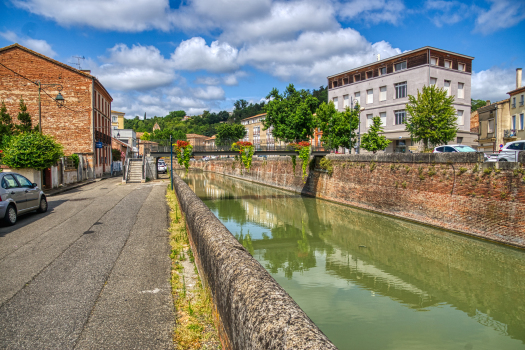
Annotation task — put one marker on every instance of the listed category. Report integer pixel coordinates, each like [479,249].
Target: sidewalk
[55,191]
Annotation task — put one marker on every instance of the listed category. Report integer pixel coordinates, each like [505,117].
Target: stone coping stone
[460,157]
[255,311]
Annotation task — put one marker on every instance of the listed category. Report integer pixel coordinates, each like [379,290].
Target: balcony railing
[509,133]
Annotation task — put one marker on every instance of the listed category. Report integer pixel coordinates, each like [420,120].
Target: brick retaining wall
[253,310]
[457,192]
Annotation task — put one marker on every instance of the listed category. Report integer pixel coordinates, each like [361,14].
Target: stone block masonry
[457,192]
[254,311]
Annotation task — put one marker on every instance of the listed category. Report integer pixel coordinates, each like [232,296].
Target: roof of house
[492,106]
[63,65]
[255,116]
[195,136]
[117,112]
[401,55]
[211,138]
[516,91]
[119,142]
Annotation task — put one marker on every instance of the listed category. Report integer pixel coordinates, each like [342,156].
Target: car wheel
[10,215]
[42,208]
[502,160]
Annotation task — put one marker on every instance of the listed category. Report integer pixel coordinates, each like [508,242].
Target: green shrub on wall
[76,160]
[31,150]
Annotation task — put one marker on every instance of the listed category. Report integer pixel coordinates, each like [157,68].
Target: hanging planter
[304,153]
[183,151]
[246,151]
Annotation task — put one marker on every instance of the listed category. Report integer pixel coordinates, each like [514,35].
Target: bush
[117,156]
[32,150]
[76,160]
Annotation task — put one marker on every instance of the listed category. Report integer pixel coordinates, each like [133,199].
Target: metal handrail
[125,171]
[144,169]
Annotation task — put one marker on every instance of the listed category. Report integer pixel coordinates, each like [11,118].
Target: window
[370,96]
[433,81]
[369,74]
[336,103]
[114,119]
[514,102]
[515,146]
[461,93]
[334,84]
[382,115]
[382,93]
[433,61]
[447,87]
[522,100]
[382,71]
[369,120]
[345,101]
[401,89]
[490,126]
[448,149]
[460,117]
[358,97]
[459,140]
[448,64]
[521,121]
[514,122]
[10,181]
[400,117]
[357,77]
[23,181]
[345,81]
[461,67]
[400,66]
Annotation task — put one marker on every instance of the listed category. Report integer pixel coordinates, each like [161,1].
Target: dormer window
[369,74]
[461,67]
[400,66]
[434,61]
[382,71]
[448,64]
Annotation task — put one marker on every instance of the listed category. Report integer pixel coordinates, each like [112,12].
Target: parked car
[162,168]
[456,148]
[509,152]
[19,196]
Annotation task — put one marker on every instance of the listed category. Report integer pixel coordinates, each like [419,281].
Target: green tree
[24,118]
[339,128]
[372,141]
[32,150]
[146,136]
[431,117]
[475,104]
[228,133]
[6,124]
[322,94]
[290,114]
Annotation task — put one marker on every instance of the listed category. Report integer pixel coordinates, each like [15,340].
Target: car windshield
[465,149]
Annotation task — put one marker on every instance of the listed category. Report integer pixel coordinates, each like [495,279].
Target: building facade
[494,119]
[117,120]
[255,132]
[82,126]
[516,111]
[382,89]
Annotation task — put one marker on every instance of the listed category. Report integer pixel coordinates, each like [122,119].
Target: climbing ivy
[304,153]
[246,151]
[183,151]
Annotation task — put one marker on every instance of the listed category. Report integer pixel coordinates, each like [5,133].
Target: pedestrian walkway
[91,273]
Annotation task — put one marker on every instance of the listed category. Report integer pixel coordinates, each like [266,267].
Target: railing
[125,171]
[144,169]
[509,133]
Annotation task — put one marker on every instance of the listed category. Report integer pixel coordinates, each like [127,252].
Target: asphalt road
[91,273]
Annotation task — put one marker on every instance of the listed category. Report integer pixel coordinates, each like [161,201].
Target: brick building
[81,125]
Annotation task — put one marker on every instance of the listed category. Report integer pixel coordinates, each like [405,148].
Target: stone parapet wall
[457,192]
[253,310]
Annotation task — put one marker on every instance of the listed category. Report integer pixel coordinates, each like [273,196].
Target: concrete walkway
[91,273]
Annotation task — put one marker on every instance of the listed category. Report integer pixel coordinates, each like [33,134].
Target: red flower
[182,144]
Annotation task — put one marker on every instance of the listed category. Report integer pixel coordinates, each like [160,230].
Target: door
[14,191]
[32,194]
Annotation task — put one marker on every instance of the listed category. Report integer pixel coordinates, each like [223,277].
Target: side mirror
[34,185]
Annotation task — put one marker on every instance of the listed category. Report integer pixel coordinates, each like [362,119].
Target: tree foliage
[322,94]
[475,104]
[6,124]
[229,133]
[290,114]
[431,117]
[146,136]
[32,150]
[372,141]
[339,128]
[24,118]
[244,110]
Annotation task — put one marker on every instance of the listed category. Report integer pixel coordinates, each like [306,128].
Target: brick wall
[456,192]
[74,126]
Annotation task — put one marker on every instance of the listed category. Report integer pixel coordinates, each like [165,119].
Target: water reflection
[424,287]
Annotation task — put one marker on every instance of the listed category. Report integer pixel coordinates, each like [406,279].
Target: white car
[457,148]
[161,167]
[509,152]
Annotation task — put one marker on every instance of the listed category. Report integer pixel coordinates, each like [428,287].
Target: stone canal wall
[457,192]
[254,312]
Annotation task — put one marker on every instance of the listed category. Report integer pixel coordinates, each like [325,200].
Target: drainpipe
[93,125]
[496,127]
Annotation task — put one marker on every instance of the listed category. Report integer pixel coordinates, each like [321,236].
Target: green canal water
[374,282]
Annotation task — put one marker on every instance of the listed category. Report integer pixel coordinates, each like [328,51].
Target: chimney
[488,103]
[86,71]
[378,57]
[518,78]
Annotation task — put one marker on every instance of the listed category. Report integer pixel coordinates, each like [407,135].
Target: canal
[374,282]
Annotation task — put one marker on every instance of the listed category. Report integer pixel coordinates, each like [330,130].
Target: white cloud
[314,56]
[194,54]
[40,46]
[447,12]
[374,11]
[502,14]
[121,15]
[493,84]
[207,80]
[209,93]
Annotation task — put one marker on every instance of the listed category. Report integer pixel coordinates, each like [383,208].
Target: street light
[59,101]
[353,105]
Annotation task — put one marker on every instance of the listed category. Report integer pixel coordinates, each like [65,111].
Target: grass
[195,328]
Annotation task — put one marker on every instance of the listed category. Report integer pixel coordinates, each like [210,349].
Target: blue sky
[157,56]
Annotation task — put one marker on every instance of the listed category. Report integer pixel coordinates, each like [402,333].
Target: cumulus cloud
[501,14]
[493,84]
[40,46]
[121,15]
[447,12]
[374,11]
[195,54]
[209,93]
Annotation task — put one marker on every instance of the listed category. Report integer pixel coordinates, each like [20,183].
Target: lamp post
[353,105]
[59,101]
